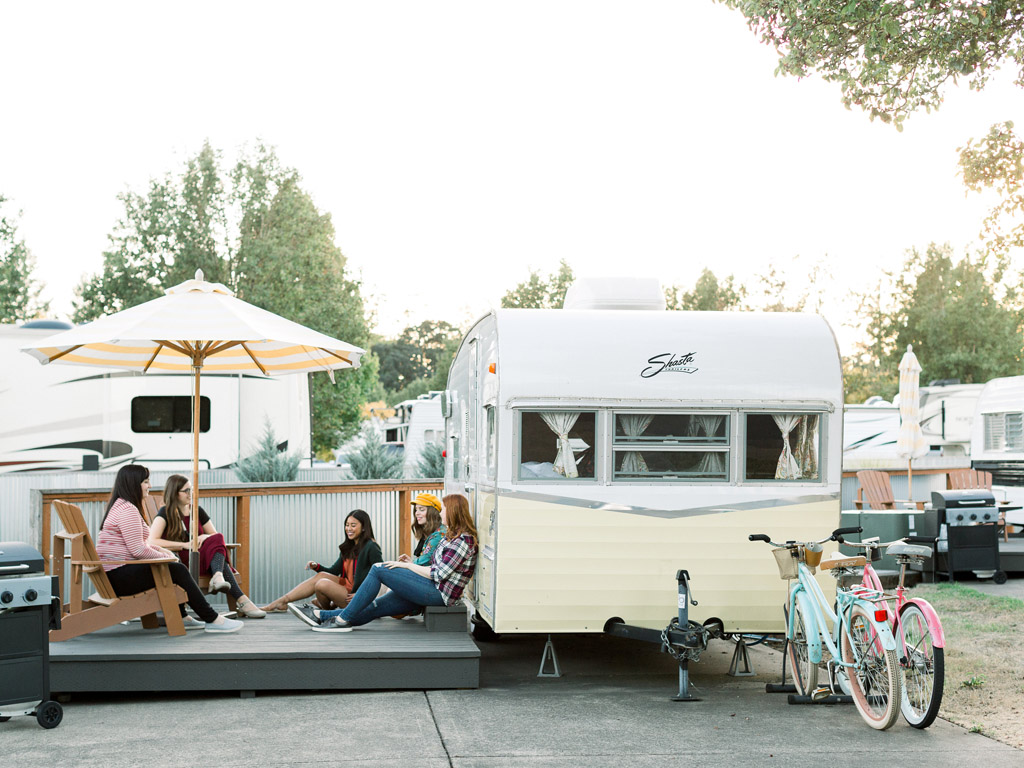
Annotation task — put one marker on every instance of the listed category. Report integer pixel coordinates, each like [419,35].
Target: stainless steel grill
[27,612]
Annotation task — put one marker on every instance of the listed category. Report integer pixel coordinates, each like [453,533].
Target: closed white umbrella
[910,442]
[197,326]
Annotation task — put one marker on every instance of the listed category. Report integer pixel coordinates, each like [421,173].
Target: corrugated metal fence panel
[286,532]
[18,520]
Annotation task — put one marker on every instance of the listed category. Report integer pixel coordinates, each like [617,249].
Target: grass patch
[984,658]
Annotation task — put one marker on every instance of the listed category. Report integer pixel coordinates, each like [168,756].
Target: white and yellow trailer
[604,450]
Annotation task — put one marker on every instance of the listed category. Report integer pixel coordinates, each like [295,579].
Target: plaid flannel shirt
[452,566]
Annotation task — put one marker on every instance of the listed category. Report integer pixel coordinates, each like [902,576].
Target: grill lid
[18,559]
[975,497]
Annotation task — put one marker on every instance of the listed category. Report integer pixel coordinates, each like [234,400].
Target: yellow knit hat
[428,500]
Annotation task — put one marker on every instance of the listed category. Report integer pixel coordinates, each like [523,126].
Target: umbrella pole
[193,521]
[910,481]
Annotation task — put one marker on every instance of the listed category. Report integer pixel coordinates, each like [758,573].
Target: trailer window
[556,445]
[491,441]
[168,414]
[782,446]
[671,446]
[1004,431]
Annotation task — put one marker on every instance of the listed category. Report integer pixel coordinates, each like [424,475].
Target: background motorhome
[997,439]
[415,423]
[70,417]
[603,450]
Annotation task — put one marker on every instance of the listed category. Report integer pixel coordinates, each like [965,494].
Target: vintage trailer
[603,450]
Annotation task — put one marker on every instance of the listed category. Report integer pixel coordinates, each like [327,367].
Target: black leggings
[131,579]
[218,564]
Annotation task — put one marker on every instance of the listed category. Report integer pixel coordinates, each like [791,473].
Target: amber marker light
[492,368]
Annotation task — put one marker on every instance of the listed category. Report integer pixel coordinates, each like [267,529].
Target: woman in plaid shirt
[412,586]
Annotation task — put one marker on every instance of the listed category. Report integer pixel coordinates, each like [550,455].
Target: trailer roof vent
[615,293]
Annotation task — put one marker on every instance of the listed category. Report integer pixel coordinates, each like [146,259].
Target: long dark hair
[456,509]
[431,524]
[350,549]
[128,486]
[172,508]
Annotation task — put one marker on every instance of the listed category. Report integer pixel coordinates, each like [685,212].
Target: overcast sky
[458,145]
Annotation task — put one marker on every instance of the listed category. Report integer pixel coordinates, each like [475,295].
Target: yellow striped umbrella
[198,326]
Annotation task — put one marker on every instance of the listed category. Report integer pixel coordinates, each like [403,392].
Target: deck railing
[297,517]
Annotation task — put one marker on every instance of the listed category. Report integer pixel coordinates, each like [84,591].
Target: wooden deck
[275,653]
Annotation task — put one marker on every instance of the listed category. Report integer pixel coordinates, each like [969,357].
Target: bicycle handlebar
[836,535]
[879,544]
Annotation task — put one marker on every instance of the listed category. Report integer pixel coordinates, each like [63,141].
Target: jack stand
[741,666]
[682,578]
[549,653]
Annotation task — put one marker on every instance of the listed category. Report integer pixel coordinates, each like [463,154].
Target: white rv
[997,440]
[603,450]
[66,417]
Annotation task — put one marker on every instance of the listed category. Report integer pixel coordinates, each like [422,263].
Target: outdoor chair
[876,491]
[149,510]
[104,608]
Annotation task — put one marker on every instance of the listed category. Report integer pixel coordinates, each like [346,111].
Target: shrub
[268,464]
[431,461]
[373,461]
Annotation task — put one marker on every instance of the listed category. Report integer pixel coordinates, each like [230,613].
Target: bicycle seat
[841,561]
[910,550]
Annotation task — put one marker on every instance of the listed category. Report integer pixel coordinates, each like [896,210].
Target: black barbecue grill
[28,610]
[969,519]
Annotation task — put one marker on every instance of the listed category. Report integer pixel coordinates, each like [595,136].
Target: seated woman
[170,530]
[333,586]
[123,535]
[426,527]
[412,586]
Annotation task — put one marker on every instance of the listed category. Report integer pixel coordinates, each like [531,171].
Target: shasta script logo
[668,362]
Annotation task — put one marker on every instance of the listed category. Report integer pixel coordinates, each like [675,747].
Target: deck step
[446,618]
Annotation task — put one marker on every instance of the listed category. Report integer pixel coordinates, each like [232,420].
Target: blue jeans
[409,591]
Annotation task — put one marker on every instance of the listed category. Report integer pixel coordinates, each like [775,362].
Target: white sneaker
[191,622]
[228,625]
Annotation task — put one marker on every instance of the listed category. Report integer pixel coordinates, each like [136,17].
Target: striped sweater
[124,536]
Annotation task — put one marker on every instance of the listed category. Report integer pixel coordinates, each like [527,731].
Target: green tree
[417,359]
[964,321]
[431,461]
[279,255]
[268,464]
[709,294]
[373,461]
[538,292]
[894,57]
[19,291]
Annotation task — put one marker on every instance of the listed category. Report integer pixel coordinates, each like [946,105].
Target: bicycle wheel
[805,671]
[875,681]
[923,668]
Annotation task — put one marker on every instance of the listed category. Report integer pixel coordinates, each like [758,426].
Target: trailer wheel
[49,714]
[482,631]
[4,719]
[1000,577]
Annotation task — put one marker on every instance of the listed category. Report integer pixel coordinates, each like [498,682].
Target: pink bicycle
[916,627]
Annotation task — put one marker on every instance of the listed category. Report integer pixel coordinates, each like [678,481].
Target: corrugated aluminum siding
[286,531]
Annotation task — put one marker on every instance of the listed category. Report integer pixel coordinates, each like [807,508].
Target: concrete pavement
[611,708]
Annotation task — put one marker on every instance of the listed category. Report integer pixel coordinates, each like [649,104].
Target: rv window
[492,453]
[556,445]
[671,446]
[782,446]
[1004,431]
[168,414]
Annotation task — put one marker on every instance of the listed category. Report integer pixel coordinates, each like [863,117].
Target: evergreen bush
[373,461]
[268,464]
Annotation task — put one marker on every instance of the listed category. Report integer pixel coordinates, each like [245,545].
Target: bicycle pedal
[819,694]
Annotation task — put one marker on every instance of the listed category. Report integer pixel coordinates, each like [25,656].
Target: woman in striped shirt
[123,536]
[412,586]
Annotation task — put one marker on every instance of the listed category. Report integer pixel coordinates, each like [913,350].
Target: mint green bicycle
[861,644]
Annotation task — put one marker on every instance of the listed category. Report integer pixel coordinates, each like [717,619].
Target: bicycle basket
[788,561]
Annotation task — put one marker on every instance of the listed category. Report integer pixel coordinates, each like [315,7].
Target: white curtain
[806,453]
[634,425]
[787,468]
[560,422]
[712,462]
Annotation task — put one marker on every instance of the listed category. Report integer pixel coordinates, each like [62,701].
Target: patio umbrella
[197,326]
[910,442]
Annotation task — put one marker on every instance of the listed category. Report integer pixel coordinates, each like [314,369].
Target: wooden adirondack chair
[149,510]
[105,609]
[968,479]
[876,491]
